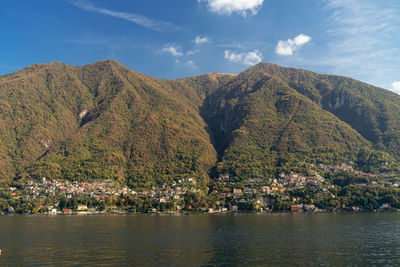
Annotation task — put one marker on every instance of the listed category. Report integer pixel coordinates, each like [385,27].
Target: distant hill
[104,120]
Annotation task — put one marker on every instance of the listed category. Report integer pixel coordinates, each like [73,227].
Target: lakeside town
[288,191]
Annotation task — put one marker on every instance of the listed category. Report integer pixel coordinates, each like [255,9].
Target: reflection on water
[201,240]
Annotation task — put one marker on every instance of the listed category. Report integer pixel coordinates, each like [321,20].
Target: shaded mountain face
[104,121]
[261,123]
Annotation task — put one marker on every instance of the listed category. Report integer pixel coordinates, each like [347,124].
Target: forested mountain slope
[372,111]
[99,121]
[105,121]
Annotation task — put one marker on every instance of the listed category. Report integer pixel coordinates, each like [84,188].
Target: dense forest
[105,121]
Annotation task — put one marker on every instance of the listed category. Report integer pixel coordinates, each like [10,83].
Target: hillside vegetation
[105,121]
[100,121]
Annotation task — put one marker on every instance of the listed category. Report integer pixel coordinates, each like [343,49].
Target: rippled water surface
[343,239]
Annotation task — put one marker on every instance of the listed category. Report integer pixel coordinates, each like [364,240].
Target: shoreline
[197,213]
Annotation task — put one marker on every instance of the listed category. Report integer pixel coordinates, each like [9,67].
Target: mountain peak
[61,66]
[106,62]
[268,67]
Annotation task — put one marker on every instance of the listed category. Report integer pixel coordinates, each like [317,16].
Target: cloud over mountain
[287,48]
[396,87]
[248,58]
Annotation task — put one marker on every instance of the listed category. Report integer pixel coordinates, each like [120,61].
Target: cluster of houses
[170,193]
[284,182]
[260,192]
[346,167]
[263,192]
[100,190]
[382,179]
[48,188]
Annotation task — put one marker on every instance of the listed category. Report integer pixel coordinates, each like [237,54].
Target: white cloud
[396,87]
[252,58]
[249,58]
[173,50]
[287,48]
[152,24]
[232,45]
[301,39]
[190,63]
[227,7]
[192,52]
[229,55]
[201,40]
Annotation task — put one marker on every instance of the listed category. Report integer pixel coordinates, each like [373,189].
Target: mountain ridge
[104,120]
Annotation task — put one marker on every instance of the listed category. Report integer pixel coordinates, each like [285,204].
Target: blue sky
[179,38]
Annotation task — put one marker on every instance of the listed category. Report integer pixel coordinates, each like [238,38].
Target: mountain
[100,121]
[105,121]
[259,123]
[372,111]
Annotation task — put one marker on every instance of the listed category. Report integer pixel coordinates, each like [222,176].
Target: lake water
[344,239]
